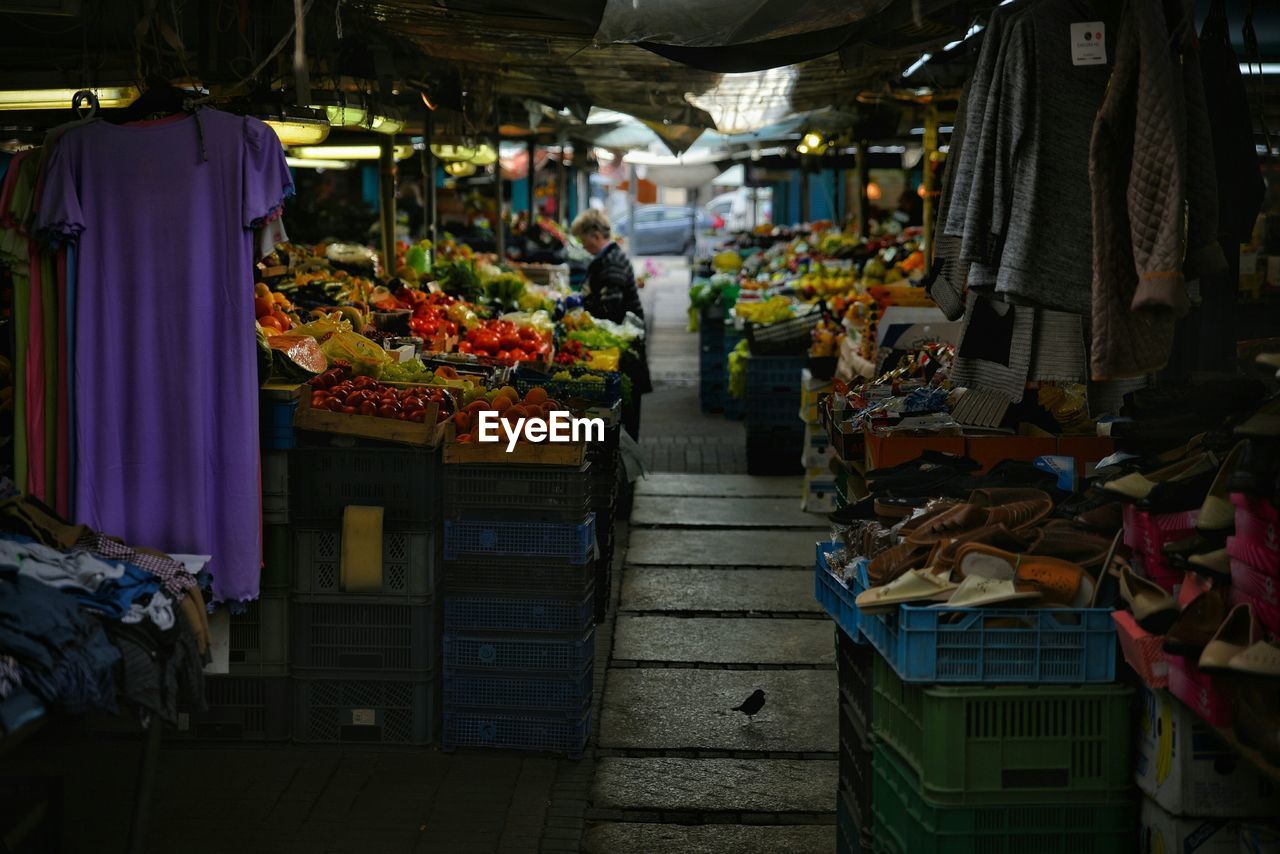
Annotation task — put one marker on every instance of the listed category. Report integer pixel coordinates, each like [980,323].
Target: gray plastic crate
[241,708]
[408,562]
[364,634]
[557,493]
[362,708]
[403,481]
[259,637]
[275,487]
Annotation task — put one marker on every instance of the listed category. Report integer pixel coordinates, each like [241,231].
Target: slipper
[977,591]
[1239,631]
[916,585]
[1153,608]
[1066,543]
[945,552]
[1260,659]
[1139,485]
[1060,582]
[927,461]
[899,508]
[1016,507]
[894,561]
[932,510]
[951,523]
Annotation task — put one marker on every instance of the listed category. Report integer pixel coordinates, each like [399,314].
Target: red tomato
[503,356]
[464,346]
[509,340]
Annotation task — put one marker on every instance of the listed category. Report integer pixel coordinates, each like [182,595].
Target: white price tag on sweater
[1089,43]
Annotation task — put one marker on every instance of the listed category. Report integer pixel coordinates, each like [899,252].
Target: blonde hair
[590,220]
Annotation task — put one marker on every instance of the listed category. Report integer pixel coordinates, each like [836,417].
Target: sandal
[916,585]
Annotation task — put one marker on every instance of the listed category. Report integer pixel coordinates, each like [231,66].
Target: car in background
[733,209]
[662,229]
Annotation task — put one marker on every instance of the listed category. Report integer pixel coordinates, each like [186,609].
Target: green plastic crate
[906,822]
[983,744]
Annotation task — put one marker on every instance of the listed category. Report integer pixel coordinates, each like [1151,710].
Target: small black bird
[752,705]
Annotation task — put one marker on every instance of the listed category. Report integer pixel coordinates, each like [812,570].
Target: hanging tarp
[716,23]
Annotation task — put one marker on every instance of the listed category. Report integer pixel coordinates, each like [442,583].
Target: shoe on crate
[1215,564]
[1256,719]
[1260,659]
[1239,631]
[999,536]
[858,510]
[1059,582]
[1197,624]
[977,591]
[1152,607]
[1015,507]
[1107,517]
[913,586]
[1180,552]
[927,461]
[896,560]
[1256,472]
[1139,485]
[1059,539]
[899,508]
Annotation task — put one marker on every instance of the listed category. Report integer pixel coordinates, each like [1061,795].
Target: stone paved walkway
[705,617]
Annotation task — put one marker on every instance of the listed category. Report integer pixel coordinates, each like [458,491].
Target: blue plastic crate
[275,424]
[548,615]
[772,409]
[561,692]
[519,653]
[775,373]
[834,597]
[547,733]
[572,542]
[993,645]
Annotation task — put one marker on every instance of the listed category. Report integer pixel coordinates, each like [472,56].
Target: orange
[536,395]
[282,320]
[261,306]
[261,290]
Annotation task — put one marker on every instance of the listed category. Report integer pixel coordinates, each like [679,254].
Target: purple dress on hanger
[166,384]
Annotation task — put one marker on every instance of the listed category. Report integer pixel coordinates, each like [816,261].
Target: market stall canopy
[717,23]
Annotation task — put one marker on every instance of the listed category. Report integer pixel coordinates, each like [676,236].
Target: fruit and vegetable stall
[420,585]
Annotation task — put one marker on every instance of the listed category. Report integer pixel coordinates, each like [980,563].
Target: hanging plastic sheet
[715,23]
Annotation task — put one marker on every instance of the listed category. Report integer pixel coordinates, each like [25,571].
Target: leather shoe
[1153,608]
[1239,631]
[1197,624]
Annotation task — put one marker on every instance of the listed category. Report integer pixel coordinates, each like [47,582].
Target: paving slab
[657,588]
[688,709]
[716,547]
[703,512]
[710,838]
[742,485]
[716,785]
[723,640]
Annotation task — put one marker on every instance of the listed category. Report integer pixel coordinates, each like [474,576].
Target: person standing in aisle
[610,293]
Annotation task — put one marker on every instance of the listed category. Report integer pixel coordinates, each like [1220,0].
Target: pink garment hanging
[62,455]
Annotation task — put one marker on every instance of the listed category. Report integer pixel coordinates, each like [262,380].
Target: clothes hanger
[85,104]
[160,98]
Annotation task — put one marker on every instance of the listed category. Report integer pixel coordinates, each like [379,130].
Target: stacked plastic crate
[605,478]
[775,437]
[365,644]
[989,729]
[519,612]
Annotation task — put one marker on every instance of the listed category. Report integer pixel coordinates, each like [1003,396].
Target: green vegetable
[597,339]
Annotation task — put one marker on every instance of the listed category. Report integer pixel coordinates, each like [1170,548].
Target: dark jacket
[611,286]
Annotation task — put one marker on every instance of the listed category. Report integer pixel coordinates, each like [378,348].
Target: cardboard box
[1160,830]
[1186,767]
[884,451]
[818,451]
[819,491]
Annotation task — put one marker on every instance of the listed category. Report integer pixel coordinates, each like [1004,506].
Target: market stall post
[562,191]
[387,200]
[499,227]
[429,174]
[530,188]
[860,176]
[929,182]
